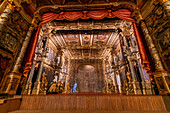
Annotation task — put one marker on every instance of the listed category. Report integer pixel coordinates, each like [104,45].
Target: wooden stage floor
[100,102]
[40,111]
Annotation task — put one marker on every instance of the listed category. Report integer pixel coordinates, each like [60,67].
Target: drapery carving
[142,51]
[100,14]
[31,51]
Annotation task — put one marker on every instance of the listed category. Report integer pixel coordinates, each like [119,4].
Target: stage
[92,102]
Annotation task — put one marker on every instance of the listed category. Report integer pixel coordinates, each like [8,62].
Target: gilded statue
[128,87]
[44,83]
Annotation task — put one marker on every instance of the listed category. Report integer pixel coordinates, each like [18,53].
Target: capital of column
[31,28]
[142,24]
[137,15]
[61,52]
[121,34]
[128,58]
[35,20]
[11,5]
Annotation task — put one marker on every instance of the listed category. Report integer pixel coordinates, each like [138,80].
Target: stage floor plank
[39,111]
[93,102]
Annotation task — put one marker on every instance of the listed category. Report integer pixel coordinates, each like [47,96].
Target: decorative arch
[58,7]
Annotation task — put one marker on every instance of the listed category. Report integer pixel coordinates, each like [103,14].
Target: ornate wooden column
[160,72]
[27,89]
[152,48]
[14,77]
[67,74]
[36,89]
[9,9]
[38,51]
[114,70]
[165,4]
[59,67]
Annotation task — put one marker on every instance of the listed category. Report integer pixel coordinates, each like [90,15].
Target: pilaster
[37,85]
[135,83]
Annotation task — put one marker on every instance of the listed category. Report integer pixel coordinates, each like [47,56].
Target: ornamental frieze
[17,23]
[164,39]
[8,42]
[156,18]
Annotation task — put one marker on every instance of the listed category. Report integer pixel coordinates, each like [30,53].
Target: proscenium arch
[27,65]
[44,21]
[58,8]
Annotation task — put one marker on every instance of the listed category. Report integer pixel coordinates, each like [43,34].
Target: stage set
[90,62]
[75,58]
[102,52]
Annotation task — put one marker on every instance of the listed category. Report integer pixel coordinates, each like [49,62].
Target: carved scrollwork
[85,1]
[155,19]
[17,23]
[8,42]
[112,0]
[58,2]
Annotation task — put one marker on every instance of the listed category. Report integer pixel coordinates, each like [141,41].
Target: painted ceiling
[90,42]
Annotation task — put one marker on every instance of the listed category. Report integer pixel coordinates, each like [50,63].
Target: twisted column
[152,48]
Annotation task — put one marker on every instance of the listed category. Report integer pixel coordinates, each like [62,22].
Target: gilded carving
[167,78]
[156,18]
[14,83]
[18,23]
[85,1]
[58,2]
[6,84]
[44,83]
[158,26]
[164,39]
[160,83]
[8,42]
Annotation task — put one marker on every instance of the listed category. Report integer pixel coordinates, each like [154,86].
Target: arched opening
[100,38]
[86,78]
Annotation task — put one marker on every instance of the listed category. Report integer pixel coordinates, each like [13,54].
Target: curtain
[142,51]
[30,53]
[100,14]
